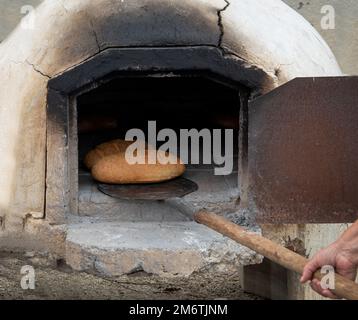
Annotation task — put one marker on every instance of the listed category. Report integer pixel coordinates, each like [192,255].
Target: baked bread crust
[108,164]
[105,149]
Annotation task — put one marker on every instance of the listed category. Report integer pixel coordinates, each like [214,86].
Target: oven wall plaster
[68,33]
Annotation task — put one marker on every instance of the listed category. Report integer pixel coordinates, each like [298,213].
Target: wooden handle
[344,288]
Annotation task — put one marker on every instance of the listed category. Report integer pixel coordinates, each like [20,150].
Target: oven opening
[176,102]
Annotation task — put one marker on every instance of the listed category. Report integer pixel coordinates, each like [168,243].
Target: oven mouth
[175,101]
[200,74]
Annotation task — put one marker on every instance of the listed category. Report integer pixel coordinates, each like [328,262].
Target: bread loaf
[108,164]
[105,149]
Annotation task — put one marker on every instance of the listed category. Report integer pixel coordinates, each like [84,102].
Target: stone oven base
[167,249]
[114,248]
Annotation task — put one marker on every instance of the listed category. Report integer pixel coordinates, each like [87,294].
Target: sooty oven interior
[175,101]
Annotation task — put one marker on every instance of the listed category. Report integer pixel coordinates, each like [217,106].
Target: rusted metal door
[303,152]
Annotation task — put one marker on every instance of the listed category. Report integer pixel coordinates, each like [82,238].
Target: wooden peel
[173,191]
[344,288]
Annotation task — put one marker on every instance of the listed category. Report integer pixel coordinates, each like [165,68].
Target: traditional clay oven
[211,55]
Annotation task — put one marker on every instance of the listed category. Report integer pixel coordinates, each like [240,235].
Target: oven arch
[63,90]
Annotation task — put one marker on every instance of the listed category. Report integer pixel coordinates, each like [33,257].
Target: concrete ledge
[165,249]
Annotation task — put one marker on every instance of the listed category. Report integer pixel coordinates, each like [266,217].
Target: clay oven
[184,63]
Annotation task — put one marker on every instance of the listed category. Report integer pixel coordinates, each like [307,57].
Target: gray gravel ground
[55,280]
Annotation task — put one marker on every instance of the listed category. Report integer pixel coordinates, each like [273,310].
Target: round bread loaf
[108,164]
[105,149]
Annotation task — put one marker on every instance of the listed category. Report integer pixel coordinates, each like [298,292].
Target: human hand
[338,255]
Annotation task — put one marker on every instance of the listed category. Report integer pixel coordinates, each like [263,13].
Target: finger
[310,268]
[316,286]
[329,294]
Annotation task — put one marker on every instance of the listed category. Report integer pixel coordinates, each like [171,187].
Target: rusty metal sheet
[303,152]
[176,188]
